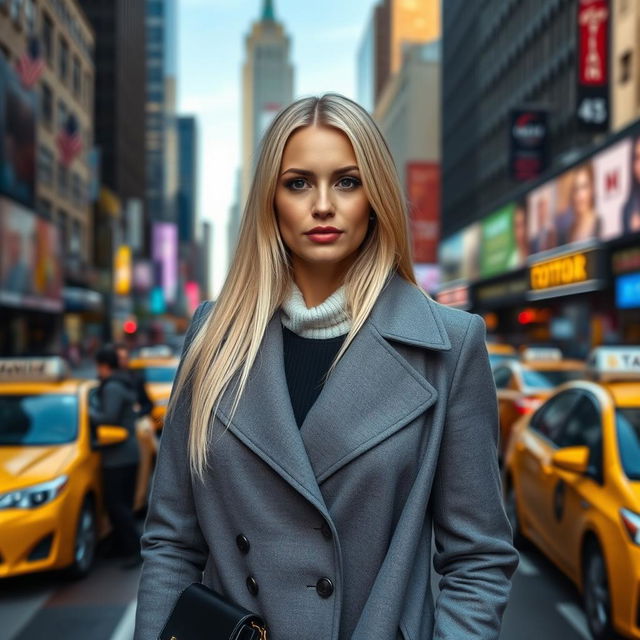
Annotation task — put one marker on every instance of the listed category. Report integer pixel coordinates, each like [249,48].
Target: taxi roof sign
[155,351]
[531,354]
[52,369]
[615,363]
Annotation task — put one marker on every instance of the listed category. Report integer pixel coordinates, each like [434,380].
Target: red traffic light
[130,326]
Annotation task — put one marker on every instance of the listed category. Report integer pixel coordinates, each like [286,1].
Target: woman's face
[322,210]
[582,192]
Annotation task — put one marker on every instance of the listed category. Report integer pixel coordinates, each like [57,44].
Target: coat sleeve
[474,550]
[173,547]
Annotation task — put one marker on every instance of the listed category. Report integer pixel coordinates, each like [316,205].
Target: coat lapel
[373,391]
[264,419]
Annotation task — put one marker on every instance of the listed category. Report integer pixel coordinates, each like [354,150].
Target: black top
[306,362]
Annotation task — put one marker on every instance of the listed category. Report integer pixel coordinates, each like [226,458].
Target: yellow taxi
[522,385]
[51,507]
[499,352]
[158,366]
[572,487]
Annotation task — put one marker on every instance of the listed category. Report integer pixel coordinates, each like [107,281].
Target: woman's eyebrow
[305,172]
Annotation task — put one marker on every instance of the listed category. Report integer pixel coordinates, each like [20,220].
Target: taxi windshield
[628,428]
[549,379]
[46,419]
[159,374]
[495,358]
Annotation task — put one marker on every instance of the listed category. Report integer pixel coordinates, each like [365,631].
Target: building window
[30,15]
[63,179]
[77,75]
[47,37]
[63,219]
[45,165]
[46,104]
[63,53]
[75,239]
[77,191]
[63,113]
[155,8]
[88,85]
[625,67]
[14,10]
[44,208]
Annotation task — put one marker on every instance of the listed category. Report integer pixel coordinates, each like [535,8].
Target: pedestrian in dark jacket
[144,404]
[116,400]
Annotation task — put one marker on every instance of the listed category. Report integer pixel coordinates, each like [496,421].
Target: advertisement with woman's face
[630,218]
[541,208]
[611,168]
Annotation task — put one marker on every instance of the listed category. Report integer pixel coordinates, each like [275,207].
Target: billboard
[597,200]
[503,245]
[529,137]
[592,105]
[17,138]
[165,259]
[423,192]
[30,259]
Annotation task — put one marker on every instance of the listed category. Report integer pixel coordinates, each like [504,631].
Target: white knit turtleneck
[327,320]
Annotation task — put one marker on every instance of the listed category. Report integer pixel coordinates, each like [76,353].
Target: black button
[324,587]
[252,585]
[243,544]
[325,529]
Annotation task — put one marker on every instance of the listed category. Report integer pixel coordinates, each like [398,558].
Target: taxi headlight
[631,523]
[35,496]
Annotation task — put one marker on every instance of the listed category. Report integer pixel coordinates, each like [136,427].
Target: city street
[543,604]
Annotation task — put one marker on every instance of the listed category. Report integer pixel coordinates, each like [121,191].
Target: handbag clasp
[261,630]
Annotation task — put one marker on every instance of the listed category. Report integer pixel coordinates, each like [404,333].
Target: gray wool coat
[327,530]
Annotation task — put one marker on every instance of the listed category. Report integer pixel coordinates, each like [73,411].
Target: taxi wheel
[596,597]
[84,549]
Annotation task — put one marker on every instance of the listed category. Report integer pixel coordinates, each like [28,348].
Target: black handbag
[202,614]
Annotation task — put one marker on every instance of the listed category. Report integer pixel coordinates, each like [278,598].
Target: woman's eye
[297,184]
[348,183]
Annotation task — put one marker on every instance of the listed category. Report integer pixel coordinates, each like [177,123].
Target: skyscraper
[267,84]
[120,93]
[161,129]
[187,141]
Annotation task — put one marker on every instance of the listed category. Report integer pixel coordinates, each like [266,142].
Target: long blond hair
[260,273]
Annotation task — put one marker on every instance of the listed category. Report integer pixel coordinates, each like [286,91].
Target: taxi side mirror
[574,459]
[109,434]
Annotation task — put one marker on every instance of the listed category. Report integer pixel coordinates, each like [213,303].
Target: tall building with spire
[267,85]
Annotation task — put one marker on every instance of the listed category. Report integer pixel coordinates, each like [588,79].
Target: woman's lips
[323,237]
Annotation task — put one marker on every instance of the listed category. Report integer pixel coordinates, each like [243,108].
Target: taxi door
[507,393]
[573,495]
[536,475]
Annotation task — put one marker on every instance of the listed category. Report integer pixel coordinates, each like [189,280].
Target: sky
[325,37]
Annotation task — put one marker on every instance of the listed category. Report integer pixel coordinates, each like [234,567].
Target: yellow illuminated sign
[560,272]
[122,271]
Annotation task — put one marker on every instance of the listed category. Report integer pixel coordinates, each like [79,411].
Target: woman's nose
[323,207]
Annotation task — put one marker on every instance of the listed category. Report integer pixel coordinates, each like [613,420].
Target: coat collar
[405,314]
[373,393]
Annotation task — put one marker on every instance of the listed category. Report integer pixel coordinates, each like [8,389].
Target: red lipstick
[323,235]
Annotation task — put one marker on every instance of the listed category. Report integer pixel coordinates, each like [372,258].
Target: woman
[631,209]
[315,508]
[585,224]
